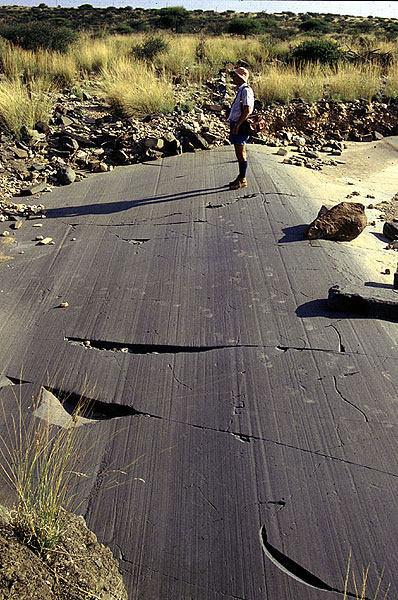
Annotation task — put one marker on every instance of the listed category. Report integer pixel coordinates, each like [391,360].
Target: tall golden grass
[133,88]
[54,67]
[25,104]
[350,82]
[391,82]
[282,83]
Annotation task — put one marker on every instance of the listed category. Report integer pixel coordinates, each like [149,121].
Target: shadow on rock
[107,208]
[319,308]
[293,234]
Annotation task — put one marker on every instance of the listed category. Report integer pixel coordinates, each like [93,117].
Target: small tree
[244,26]
[174,17]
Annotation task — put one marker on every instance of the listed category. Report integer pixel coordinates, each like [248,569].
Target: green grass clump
[39,461]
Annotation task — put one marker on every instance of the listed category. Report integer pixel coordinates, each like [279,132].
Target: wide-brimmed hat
[242,73]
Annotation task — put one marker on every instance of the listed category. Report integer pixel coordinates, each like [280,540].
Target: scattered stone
[151,154]
[368,137]
[17,224]
[66,121]
[383,304]
[42,127]
[311,154]
[343,222]
[258,140]
[81,133]
[387,272]
[66,175]
[39,238]
[120,157]
[281,152]
[218,108]
[64,304]
[20,152]
[34,189]
[45,241]
[154,143]
[390,230]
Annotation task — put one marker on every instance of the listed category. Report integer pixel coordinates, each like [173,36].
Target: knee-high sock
[242,168]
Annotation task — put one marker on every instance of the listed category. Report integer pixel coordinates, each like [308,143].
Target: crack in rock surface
[295,570]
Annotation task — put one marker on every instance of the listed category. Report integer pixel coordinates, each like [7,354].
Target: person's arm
[243,116]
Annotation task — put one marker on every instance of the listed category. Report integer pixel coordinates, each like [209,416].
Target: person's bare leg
[240,152]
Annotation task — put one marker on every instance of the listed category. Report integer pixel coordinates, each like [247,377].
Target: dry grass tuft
[25,104]
[39,462]
[360,586]
[134,89]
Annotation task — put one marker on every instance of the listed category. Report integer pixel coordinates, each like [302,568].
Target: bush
[152,46]
[123,29]
[37,35]
[244,26]
[322,51]
[315,25]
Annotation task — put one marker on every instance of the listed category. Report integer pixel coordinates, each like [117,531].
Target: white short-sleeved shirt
[244,97]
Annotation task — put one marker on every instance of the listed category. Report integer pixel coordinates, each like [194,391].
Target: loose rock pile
[84,137]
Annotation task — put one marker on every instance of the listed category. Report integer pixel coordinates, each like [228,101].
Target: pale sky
[364,9]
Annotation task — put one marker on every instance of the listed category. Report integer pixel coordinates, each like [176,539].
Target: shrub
[316,25]
[151,47]
[321,51]
[36,35]
[244,26]
[123,29]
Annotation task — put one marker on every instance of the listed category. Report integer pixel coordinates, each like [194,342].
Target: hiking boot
[239,183]
[235,181]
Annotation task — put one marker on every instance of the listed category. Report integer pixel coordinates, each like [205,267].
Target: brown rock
[343,223]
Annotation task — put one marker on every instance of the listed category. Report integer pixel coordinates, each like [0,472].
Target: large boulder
[342,223]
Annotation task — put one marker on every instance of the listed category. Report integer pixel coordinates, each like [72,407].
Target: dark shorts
[241,140]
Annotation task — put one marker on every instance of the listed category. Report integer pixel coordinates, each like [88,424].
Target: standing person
[241,108]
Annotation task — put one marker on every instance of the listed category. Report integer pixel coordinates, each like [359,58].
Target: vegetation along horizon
[130,58]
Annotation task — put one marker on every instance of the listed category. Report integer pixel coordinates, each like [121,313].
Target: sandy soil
[368,174]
